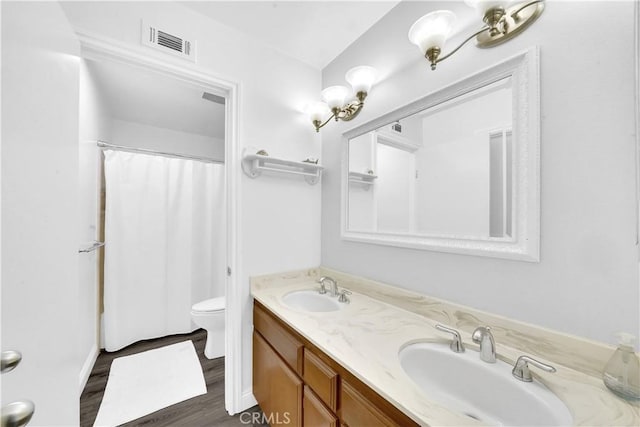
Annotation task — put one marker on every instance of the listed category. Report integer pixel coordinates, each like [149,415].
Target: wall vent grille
[168,42]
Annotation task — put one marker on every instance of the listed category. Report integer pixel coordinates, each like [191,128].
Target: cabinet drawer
[289,348]
[315,414]
[356,410]
[321,378]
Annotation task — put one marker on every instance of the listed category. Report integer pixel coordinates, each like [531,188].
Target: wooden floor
[206,410]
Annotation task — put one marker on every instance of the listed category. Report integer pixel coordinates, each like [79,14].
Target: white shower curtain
[165,244]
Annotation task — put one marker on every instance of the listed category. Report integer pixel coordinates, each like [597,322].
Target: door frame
[100,48]
[637,108]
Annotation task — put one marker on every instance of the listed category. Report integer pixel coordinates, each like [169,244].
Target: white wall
[280,216]
[40,78]
[95,117]
[453,188]
[587,280]
[138,135]
[452,194]
[362,202]
[394,189]
[411,128]
[94,124]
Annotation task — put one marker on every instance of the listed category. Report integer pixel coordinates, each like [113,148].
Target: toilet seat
[209,305]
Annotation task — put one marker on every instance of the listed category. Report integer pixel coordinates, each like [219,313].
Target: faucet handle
[521,369]
[456,344]
[343,295]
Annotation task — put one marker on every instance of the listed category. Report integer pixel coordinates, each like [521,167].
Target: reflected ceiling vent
[213,98]
[169,42]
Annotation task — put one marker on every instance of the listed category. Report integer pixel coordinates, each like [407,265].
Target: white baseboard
[248,400]
[85,372]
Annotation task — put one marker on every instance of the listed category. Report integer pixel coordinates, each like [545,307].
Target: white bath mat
[146,382]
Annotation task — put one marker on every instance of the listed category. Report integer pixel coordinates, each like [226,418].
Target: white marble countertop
[366,336]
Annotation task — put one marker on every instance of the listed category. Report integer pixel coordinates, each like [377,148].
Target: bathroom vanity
[294,379]
[342,366]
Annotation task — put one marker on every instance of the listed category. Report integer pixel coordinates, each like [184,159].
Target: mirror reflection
[444,171]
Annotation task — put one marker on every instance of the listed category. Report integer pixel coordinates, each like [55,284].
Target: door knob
[17,414]
[9,360]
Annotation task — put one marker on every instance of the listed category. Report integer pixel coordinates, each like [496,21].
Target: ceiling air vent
[168,42]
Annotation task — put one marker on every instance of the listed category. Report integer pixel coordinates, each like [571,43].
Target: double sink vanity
[455,171]
[362,353]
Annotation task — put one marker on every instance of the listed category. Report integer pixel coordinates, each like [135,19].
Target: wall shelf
[396,140]
[90,247]
[362,178]
[254,164]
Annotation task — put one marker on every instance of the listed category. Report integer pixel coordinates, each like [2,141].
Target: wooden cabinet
[357,410]
[293,378]
[275,385]
[315,413]
[321,378]
[285,343]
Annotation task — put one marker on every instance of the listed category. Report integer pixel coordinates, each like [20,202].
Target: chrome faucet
[483,336]
[334,285]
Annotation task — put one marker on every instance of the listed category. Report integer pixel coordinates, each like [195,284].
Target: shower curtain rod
[103,144]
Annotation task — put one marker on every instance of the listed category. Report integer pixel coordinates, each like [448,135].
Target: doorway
[109,58]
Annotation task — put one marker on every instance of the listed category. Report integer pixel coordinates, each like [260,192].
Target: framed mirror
[455,171]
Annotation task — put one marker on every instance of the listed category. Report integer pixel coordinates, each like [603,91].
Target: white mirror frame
[524,245]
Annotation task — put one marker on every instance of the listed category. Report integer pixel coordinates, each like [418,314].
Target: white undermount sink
[485,391]
[310,300]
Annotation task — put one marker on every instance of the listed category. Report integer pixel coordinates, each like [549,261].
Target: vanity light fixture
[336,99]
[504,20]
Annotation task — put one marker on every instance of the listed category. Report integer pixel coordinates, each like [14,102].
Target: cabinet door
[276,387]
[315,413]
[356,410]
[321,378]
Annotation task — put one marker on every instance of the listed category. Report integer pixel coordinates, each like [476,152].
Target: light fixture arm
[346,113]
[318,124]
[515,13]
[435,59]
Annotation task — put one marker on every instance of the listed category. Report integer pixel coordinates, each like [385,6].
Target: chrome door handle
[9,360]
[17,414]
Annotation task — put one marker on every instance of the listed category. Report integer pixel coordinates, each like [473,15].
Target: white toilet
[209,315]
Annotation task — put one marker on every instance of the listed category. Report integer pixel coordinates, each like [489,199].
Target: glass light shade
[317,111]
[432,30]
[361,78]
[335,96]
